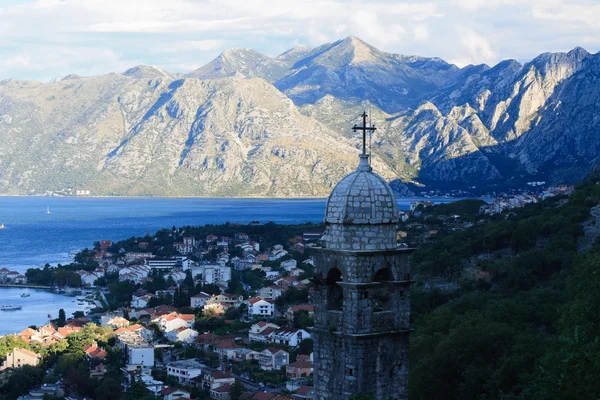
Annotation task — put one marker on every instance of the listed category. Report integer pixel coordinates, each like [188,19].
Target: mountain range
[246,124]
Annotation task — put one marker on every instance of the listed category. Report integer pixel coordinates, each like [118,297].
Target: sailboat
[2,226]
[48,210]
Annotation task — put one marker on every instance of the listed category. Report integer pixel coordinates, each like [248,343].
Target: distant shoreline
[225,198]
[171,197]
[25,286]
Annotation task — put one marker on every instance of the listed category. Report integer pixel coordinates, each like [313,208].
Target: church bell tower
[362,292]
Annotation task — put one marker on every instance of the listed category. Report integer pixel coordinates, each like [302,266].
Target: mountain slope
[115,134]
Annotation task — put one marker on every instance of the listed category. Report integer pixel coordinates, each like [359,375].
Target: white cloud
[46,62]
[191,45]
[475,49]
[183,33]
[421,33]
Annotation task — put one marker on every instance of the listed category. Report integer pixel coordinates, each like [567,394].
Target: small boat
[25,295]
[2,226]
[10,307]
[48,210]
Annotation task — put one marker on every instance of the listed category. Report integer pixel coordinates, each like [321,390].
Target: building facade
[362,293]
[20,357]
[185,370]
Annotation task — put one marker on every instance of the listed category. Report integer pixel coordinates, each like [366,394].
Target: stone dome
[363,197]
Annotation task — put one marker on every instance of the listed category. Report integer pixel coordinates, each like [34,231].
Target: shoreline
[229,198]
[25,286]
[172,197]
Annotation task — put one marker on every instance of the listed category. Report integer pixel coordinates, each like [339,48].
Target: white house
[288,265]
[270,292]
[212,273]
[261,307]
[174,320]
[172,393]
[217,378]
[134,273]
[133,256]
[272,275]
[277,253]
[227,299]
[177,274]
[167,264]
[243,354]
[137,350]
[182,334]
[141,354]
[217,274]
[273,359]
[89,277]
[289,336]
[199,300]
[260,331]
[185,370]
[140,301]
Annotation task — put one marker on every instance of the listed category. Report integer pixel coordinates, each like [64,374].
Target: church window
[381,294]
[335,293]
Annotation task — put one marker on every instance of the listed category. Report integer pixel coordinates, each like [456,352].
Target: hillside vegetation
[525,322]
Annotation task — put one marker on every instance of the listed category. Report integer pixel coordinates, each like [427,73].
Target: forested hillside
[525,322]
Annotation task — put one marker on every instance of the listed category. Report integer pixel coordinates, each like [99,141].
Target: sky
[45,39]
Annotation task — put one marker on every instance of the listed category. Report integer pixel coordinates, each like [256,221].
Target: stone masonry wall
[360,237]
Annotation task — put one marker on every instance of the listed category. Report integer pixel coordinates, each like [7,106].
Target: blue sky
[43,39]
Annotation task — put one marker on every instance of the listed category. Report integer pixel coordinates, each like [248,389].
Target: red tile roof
[223,388]
[221,375]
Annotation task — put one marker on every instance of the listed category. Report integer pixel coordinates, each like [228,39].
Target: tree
[237,390]
[62,318]
[304,320]
[21,380]
[109,389]
[305,346]
[137,390]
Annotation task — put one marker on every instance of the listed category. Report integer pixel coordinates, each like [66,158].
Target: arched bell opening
[335,293]
[382,293]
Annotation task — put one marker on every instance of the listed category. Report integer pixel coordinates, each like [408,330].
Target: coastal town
[219,312]
[209,316]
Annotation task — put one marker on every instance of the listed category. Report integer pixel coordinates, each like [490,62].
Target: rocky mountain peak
[147,72]
[349,51]
[567,62]
[247,62]
[70,77]
[291,56]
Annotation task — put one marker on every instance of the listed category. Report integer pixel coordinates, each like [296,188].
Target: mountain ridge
[246,124]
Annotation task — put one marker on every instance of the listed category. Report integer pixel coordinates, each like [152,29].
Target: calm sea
[32,237]
[35,310]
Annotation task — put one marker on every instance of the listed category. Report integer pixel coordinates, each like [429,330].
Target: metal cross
[364,130]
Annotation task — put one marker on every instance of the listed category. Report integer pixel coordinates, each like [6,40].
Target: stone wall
[361,345]
[362,266]
[360,237]
[346,365]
